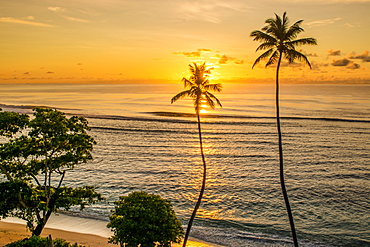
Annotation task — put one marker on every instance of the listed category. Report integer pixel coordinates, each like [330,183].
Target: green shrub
[145,219]
[36,241]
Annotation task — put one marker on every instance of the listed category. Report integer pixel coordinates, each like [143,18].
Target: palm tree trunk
[282,182]
[203,184]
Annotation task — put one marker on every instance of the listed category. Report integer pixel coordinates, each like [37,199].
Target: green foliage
[34,159]
[36,241]
[146,219]
[11,123]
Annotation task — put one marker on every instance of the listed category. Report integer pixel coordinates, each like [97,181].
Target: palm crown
[279,39]
[199,87]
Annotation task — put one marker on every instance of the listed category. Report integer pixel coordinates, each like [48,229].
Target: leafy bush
[36,241]
[145,219]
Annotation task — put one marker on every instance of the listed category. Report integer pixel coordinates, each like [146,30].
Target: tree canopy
[145,219]
[34,158]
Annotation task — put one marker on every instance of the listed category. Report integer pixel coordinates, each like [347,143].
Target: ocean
[146,144]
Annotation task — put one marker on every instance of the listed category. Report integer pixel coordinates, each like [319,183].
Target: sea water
[146,144]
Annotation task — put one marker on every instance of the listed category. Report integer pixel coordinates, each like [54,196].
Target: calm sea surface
[145,143]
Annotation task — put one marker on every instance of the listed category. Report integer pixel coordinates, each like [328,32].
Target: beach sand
[88,232]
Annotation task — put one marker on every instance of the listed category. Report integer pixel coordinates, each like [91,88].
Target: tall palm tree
[198,88]
[280,40]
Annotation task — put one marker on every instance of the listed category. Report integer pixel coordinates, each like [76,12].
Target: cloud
[60,10]
[311,54]
[316,65]
[74,19]
[56,9]
[322,22]
[201,54]
[205,50]
[194,54]
[345,63]
[209,10]
[353,65]
[334,52]
[341,62]
[308,54]
[189,54]
[225,59]
[365,56]
[50,72]
[351,25]
[17,21]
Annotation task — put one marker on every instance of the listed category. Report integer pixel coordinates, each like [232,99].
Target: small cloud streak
[194,54]
[323,22]
[308,54]
[225,59]
[189,54]
[60,10]
[56,9]
[334,52]
[23,22]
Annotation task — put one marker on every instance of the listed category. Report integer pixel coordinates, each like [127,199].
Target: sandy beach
[87,232]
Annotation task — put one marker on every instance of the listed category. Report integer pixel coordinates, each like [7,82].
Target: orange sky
[154,41]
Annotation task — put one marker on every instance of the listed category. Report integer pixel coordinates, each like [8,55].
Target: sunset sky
[154,41]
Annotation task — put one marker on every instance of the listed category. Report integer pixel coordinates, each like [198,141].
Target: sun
[203,111]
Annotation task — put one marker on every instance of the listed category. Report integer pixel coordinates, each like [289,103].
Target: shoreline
[84,231]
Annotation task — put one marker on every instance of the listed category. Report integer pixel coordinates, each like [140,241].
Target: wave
[31,107]
[175,117]
[178,114]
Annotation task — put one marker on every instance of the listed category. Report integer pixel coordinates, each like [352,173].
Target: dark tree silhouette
[279,41]
[198,88]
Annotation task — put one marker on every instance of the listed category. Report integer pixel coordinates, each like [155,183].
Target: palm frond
[278,26]
[266,45]
[209,101]
[293,55]
[192,68]
[209,98]
[305,41]
[262,37]
[279,39]
[273,58]
[263,56]
[187,83]
[180,95]
[213,87]
[294,30]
